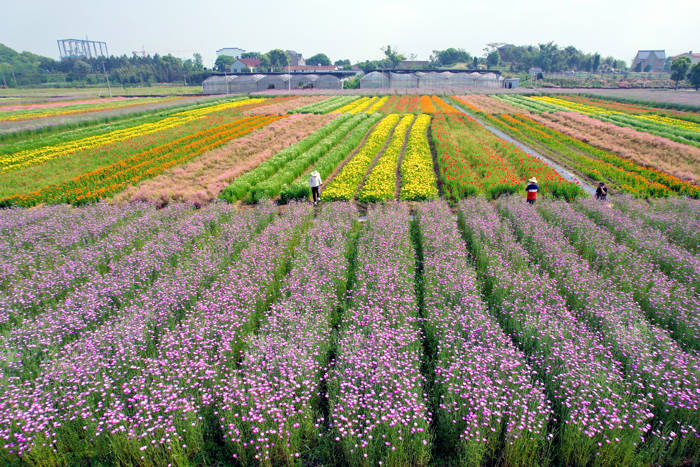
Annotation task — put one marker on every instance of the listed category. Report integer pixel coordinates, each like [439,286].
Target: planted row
[489,406]
[378,409]
[600,417]
[296,167]
[380,184]
[325,165]
[418,181]
[241,186]
[325,106]
[346,183]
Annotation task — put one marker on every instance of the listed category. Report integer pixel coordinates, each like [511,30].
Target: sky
[351,29]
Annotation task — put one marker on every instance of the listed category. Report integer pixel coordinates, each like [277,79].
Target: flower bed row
[357,106]
[654,364]
[327,105]
[488,403]
[346,183]
[325,165]
[418,181]
[380,184]
[108,180]
[36,156]
[378,409]
[599,414]
[280,415]
[472,160]
[623,174]
[240,188]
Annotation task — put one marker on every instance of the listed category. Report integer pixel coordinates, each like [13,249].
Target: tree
[694,76]
[492,59]
[278,59]
[80,68]
[319,60]
[393,57]
[450,56]
[198,63]
[476,62]
[257,55]
[224,62]
[344,63]
[596,62]
[679,69]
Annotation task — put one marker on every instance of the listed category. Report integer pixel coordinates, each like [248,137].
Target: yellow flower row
[380,184]
[377,105]
[593,110]
[578,107]
[29,157]
[418,181]
[344,185]
[684,124]
[352,106]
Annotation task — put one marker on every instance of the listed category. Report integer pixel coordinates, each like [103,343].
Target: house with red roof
[245,64]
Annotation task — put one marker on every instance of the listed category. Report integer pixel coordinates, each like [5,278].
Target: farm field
[479,334]
[170,295]
[629,160]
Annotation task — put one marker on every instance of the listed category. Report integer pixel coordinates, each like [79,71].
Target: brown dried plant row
[201,180]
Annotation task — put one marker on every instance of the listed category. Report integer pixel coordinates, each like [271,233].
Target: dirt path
[565,173]
[400,161]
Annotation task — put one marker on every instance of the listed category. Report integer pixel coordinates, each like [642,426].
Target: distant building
[694,57]
[649,61]
[295,58]
[234,52]
[312,68]
[245,64]
[413,64]
[511,83]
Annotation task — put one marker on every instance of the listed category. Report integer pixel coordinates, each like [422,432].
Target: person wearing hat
[601,192]
[532,189]
[315,183]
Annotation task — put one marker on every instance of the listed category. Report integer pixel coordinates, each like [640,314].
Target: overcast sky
[353,29]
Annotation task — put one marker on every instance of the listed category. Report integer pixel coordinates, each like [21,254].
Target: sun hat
[533,180]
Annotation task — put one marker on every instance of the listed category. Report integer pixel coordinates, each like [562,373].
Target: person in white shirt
[315,184]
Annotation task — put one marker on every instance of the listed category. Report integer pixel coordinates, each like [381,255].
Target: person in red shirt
[532,189]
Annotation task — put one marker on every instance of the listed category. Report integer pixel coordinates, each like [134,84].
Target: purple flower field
[483,333]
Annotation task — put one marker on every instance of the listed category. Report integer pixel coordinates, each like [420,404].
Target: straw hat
[533,180]
[315,173]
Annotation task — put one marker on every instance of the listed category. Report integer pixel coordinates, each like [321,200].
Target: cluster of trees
[550,58]
[682,68]
[275,60]
[22,69]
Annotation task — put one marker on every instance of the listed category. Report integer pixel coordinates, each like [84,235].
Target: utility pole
[106,79]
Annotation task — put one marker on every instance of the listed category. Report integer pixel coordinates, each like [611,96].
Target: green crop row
[326,164]
[292,170]
[325,106]
[240,188]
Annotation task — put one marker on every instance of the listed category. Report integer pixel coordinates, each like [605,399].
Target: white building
[234,52]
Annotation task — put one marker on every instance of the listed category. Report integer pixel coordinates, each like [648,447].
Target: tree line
[27,69]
